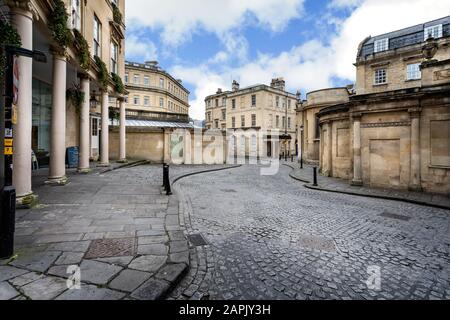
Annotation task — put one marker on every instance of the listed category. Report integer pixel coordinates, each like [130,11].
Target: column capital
[58,53]
[357,116]
[414,112]
[24,7]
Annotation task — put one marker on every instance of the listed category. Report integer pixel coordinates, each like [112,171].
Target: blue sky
[311,43]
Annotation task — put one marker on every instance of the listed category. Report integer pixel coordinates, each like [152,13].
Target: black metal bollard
[167,180]
[315,177]
[301,162]
[292,158]
[164,176]
[7,222]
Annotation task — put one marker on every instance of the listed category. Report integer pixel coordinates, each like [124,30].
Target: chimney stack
[152,63]
[279,84]
[219,91]
[235,86]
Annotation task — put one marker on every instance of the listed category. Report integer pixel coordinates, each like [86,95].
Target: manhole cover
[197,240]
[107,248]
[395,216]
[317,243]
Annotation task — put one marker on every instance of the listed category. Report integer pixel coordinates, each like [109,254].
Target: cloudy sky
[311,43]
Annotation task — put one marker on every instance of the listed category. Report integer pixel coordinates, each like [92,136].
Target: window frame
[97,37]
[437,27]
[415,74]
[377,77]
[381,45]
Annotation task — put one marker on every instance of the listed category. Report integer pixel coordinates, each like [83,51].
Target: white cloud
[179,19]
[143,50]
[339,4]
[314,64]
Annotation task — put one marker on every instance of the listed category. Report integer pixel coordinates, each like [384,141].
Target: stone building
[157,105]
[258,109]
[308,123]
[154,92]
[89,65]
[395,131]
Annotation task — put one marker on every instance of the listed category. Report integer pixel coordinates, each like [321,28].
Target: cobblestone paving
[270,238]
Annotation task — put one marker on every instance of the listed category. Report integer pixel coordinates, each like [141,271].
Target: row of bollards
[166,179]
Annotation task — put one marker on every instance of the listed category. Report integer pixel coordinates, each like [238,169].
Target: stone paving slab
[55,236]
[341,186]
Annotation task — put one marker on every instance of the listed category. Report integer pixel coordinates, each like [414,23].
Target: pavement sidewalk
[117,227]
[342,186]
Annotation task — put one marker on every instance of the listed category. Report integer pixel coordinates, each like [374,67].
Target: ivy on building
[58,24]
[117,15]
[8,37]
[118,84]
[84,56]
[103,76]
[76,97]
[114,114]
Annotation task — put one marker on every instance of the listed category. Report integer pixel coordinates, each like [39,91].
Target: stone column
[187,147]
[83,166]
[167,156]
[357,162]
[415,179]
[57,174]
[122,133]
[104,155]
[22,20]
[327,153]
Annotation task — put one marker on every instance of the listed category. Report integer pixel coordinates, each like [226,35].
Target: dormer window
[381,45]
[433,32]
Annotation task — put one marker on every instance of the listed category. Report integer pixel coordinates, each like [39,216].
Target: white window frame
[137,79]
[433,31]
[114,57]
[161,83]
[381,45]
[127,77]
[136,100]
[146,81]
[97,41]
[378,77]
[76,14]
[161,102]
[413,71]
[146,101]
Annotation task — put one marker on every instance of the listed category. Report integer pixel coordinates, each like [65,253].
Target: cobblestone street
[271,238]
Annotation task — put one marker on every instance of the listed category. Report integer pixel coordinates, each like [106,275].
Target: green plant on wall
[114,114]
[58,24]
[84,56]
[118,84]
[76,97]
[117,15]
[8,37]
[103,76]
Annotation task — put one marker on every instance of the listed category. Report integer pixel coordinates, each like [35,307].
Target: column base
[84,170]
[356,183]
[62,181]
[28,201]
[124,161]
[415,188]
[103,165]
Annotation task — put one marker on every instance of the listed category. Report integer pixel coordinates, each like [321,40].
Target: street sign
[8,142]
[8,151]
[15,81]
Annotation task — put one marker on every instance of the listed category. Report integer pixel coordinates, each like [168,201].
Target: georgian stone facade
[256,109]
[395,131]
[155,93]
[48,121]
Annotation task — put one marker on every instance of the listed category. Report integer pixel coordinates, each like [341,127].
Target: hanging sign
[8,151]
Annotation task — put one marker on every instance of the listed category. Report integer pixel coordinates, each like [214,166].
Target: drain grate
[107,248]
[229,190]
[197,240]
[395,216]
[317,243]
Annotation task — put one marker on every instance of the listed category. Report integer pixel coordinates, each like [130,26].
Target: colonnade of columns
[22,20]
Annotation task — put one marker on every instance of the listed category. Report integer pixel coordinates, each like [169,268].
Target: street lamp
[93,102]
